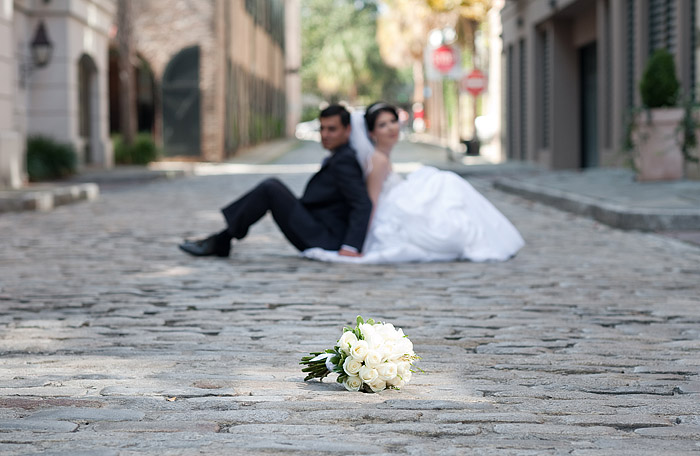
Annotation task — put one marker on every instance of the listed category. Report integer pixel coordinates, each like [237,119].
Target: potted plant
[657,136]
[690,133]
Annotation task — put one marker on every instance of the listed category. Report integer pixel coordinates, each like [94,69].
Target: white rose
[367,374]
[373,338]
[359,349]
[395,382]
[366,330]
[388,349]
[402,367]
[388,327]
[388,332]
[373,359]
[352,383]
[377,385]
[403,347]
[346,340]
[387,371]
[406,376]
[352,365]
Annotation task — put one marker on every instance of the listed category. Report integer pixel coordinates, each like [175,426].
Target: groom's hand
[349,253]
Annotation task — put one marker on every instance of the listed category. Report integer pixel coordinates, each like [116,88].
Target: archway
[181,104]
[144,82]
[88,112]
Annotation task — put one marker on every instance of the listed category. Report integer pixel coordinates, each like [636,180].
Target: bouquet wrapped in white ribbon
[371,357]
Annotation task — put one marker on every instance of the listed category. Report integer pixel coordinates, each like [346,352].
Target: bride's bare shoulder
[381,166]
[380,160]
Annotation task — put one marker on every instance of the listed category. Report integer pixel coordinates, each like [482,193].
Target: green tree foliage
[340,55]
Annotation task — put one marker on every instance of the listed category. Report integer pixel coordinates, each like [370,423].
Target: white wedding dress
[432,215]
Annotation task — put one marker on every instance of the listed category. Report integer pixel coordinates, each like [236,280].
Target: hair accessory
[376,108]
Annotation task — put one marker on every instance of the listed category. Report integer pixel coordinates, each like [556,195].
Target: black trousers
[287,211]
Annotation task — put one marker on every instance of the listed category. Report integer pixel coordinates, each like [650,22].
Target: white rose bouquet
[371,357]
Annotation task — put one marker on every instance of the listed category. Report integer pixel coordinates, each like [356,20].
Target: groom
[333,213]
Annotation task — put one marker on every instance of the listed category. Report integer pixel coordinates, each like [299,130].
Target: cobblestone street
[112,341]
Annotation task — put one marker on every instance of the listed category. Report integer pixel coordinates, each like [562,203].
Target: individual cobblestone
[114,342]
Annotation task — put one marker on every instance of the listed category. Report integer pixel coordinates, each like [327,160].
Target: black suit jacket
[337,197]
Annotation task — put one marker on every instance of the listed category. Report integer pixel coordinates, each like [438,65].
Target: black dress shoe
[211,246]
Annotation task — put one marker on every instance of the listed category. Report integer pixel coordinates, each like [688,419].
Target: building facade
[571,71]
[11,165]
[219,70]
[64,98]
[212,76]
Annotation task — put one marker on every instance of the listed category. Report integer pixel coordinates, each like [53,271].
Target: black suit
[333,211]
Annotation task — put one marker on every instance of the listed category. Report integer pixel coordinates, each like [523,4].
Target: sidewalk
[613,197]
[86,185]
[608,195]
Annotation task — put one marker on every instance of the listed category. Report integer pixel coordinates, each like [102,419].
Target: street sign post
[444,59]
[475,82]
[443,62]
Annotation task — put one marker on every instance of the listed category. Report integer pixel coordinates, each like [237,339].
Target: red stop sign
[474,82]
[444,58]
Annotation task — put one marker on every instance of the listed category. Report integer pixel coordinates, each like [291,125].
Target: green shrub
[49,159]
[141,152]
[122,154]
[659,86]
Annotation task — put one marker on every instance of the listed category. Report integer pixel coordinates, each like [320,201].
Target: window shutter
[631,86]
[546,88]
[662,17]
[523,99]
[510,100]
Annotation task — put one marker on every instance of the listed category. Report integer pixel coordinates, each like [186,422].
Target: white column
[11,140]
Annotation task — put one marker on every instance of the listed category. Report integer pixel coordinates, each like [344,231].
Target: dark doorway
[145,97]
[88,110]
[589,105]
[145,94]
[181,104]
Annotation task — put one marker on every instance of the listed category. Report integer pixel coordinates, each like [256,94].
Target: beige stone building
[571,69]
[213,76]
[11,167]
[60,92]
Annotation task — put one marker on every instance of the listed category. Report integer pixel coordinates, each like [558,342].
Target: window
[662,18]
[510,102]
[694,50]
[630,52]
[607,124]
[546,87]
[522,89]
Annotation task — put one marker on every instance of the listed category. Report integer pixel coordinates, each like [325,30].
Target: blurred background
[88,84]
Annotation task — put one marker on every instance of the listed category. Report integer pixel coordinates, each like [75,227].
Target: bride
[431,215]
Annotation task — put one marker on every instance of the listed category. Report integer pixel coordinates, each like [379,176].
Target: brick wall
[224,31]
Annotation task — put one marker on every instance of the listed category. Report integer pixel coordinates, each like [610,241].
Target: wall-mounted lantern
[41,50]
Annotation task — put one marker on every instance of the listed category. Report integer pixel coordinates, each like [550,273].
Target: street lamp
[41,47]
[41,50]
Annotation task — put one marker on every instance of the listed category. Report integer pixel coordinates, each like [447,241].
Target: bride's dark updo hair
[374,110]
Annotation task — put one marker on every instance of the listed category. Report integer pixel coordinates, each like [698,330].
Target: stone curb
[84,187]
[47,198]
[134,175]
[618,216]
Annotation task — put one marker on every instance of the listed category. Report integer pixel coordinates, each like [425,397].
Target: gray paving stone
[675,432]
[37,425]
[89,414]
[584,343]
